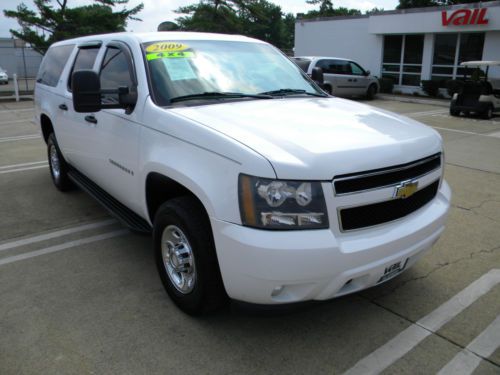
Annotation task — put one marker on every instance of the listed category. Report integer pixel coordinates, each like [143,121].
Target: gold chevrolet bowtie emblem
[406,189]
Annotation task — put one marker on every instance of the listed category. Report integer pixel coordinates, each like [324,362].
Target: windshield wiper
[285,92]
[218,95]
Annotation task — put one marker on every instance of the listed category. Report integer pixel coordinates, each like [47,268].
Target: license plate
[393,270]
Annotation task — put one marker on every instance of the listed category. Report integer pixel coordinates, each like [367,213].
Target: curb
[405,99]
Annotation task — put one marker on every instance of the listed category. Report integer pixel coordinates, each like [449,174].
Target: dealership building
[408,45]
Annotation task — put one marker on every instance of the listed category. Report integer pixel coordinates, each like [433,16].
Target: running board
[125,215]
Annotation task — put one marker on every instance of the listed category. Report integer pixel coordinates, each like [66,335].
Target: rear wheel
[58,166]
[454,112]
[186,258]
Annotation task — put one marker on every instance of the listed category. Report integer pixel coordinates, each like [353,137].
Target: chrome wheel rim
[178,259]
[55,165]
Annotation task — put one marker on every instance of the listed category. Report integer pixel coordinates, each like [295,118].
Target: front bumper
[273,267]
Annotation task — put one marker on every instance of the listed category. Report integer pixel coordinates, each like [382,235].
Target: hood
[318,138]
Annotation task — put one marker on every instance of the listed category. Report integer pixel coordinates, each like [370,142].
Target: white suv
[342,77]
[255,184]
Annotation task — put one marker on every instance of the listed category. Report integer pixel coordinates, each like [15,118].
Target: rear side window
[53,64]
[115,73]
[335,66]
[84,60]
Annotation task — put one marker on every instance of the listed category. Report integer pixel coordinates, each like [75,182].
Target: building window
[402,60]
[452,49]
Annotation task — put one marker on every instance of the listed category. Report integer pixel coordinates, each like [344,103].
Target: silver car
[4,77]
[342,77]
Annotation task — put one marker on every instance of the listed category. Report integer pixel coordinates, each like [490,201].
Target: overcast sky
[157,11]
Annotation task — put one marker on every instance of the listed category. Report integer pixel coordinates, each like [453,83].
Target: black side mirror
[86,91]
[367,73]
[317,76]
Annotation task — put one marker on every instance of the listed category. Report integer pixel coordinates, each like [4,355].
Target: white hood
[316,138]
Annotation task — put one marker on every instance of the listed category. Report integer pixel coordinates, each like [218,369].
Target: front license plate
[393,270]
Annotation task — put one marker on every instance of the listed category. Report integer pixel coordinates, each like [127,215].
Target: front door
[117,131]
[359,79]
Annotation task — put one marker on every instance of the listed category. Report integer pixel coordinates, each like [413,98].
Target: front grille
[355,182]
[383,212]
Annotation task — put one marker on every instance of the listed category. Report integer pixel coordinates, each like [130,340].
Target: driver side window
[356,69]
[114,73]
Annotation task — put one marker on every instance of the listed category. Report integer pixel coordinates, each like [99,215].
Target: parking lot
[80,294]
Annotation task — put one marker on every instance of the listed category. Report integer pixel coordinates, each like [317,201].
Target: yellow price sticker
[166,47]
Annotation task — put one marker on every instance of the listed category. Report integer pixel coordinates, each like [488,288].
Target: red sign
[463,17]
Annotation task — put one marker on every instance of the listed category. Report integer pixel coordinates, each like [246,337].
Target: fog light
[277,290]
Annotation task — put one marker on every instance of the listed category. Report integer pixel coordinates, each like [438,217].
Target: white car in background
[4,77]
[342,77]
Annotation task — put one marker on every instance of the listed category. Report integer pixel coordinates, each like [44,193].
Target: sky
[157,11]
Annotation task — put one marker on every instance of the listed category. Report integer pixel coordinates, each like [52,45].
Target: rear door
[76,132]
[336,73]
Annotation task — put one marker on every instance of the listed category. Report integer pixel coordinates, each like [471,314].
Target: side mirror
[86,91]
[367,73]
[317,76]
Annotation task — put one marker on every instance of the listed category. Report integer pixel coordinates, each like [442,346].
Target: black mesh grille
[386,176]
[378,213]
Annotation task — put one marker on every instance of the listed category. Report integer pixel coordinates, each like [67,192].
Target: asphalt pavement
[79,294]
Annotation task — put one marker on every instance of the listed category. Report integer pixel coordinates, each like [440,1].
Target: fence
[21,64]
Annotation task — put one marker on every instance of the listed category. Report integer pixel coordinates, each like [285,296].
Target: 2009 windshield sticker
[166,47]
[169,55]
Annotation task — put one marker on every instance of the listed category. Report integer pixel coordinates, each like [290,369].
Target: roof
[320,57]
[161,35]
[482,4]
[480,63]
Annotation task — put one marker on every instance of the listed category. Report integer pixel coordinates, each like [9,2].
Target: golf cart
[477,93]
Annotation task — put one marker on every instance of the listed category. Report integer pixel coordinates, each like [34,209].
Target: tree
[49,24]
[405,4]
[326,9]
[259,19]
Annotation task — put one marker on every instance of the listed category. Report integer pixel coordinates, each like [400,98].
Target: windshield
[196,67]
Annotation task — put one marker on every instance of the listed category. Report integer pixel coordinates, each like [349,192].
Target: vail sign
[463,17]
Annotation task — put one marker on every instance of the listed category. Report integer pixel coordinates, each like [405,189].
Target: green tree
[259,19]
[48,23]
[326,9]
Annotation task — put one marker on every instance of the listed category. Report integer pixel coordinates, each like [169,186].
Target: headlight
[278,204]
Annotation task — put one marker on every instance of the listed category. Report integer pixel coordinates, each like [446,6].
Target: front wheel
[371,92]
[185,256]
[58,166]
[454,112]
[488,113]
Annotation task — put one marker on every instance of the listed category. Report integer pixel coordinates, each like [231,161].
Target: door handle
[91,119]
[63,106]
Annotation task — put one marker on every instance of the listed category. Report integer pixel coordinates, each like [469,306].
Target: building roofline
[487,4]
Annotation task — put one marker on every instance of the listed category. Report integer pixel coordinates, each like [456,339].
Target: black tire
[188,215]
[371,92]
[454,112]
[488,113]
[60,178]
